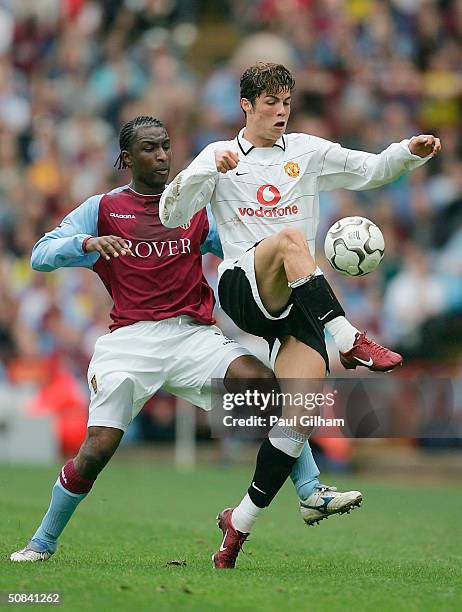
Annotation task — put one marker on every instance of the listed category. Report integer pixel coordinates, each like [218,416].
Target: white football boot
[325,501]
[29,554]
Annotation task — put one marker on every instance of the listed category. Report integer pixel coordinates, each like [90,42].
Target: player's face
[267,117]
[150,156]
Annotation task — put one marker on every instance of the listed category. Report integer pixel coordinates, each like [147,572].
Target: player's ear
[246,105]
[127,159]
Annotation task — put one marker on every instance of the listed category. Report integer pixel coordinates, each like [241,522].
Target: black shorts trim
[236,299]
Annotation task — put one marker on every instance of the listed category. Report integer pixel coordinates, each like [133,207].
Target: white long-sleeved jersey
[275,187]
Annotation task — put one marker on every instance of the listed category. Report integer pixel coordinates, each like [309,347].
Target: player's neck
[255,139]
[143,189]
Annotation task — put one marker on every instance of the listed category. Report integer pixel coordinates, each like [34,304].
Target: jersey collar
[144,195]
[246,146]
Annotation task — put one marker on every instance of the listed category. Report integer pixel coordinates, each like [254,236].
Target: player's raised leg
[74,482]
[284,267]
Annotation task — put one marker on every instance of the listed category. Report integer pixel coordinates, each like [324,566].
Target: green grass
[400,551]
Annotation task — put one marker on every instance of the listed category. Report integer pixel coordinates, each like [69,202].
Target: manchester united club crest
[292,169]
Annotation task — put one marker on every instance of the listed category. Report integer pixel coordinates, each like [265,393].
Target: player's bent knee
[248,366]
[261,372]
[98,447]
[290,236]
[247,372]
[293,243]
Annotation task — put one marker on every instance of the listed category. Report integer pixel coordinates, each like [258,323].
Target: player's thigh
[271,275]
[121,377]
[113,404]
[204,355]
[240,299]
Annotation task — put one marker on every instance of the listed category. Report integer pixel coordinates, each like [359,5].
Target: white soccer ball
[354,246]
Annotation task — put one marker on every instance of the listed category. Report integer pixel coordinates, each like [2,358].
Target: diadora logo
[269,196]
[119,216]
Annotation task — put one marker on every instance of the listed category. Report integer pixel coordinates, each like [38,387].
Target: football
[354,246]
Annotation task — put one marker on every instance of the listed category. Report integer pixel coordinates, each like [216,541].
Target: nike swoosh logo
[241,173]
[366,363]
[326,315]
[222,548]
[255,487]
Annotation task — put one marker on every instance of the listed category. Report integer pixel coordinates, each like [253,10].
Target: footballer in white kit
[264,187]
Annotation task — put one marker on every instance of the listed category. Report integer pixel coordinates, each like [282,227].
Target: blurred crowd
[368,73]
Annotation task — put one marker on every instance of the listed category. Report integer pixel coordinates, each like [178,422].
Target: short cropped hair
[265,76]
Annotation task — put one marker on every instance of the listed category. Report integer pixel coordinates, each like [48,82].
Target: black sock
[317,301]
[272,470]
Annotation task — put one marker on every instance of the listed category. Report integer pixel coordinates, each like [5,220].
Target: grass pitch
[400,551]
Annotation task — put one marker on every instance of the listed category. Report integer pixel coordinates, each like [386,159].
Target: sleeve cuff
[84,243]
[204,171]
[205,164]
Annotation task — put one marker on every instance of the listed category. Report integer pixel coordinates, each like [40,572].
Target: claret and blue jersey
[164,277]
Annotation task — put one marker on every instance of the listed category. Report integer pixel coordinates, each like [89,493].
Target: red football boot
[232,541]
[367,353]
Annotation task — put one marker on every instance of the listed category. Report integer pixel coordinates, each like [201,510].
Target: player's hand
[108,246]
[425,145]
[226,160]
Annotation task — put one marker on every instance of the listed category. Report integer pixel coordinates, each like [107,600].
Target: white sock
[245,515]
[343,333]
[287,440]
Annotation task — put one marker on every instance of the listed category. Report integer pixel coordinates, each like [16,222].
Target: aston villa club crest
[186,225]
[292,169]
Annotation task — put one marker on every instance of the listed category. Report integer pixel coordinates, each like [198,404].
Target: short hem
[274,351]
[234,353]
[106,423]
[248,261]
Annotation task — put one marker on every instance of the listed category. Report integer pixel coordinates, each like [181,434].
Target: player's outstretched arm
[349,169]
[75,241]
[193,188]
[62,247]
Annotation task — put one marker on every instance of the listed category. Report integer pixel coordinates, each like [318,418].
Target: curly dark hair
[268,77]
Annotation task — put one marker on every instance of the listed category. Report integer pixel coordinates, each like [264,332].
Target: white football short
[178,355]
